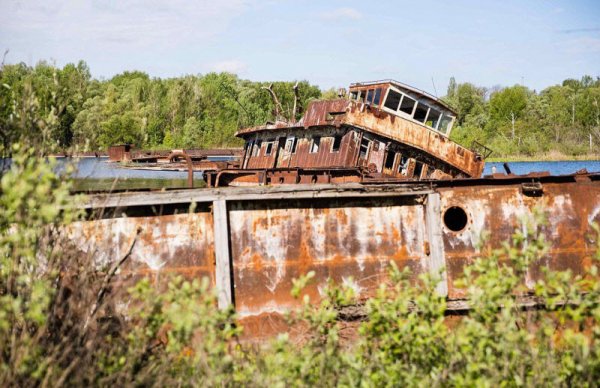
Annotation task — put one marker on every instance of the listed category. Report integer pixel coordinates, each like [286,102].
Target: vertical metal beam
[222,254]
[437,261]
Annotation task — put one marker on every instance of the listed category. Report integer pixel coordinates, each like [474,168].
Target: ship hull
[251,242]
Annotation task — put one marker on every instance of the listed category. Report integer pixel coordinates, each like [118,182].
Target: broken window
[403,165]
[389,160]
[392,100]
[377,97]
[361,95]
[433,118]
[314,146]
[364,148]
[421,112]
[418,170]
[354,95]
[337,142]
[369,96]
[294,145]
[256,150]
[288,144]
[445,124]
[268,148]
[407,105]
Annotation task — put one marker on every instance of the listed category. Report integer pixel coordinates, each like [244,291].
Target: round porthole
[455,218]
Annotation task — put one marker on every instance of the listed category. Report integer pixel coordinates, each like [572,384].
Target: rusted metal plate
[180,244]
[415,135]
[351,242]
[498,211]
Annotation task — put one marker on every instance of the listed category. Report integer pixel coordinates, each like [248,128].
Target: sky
[329,43]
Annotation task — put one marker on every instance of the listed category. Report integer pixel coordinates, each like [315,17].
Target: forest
[66,109]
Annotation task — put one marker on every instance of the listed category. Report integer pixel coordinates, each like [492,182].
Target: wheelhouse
[407,102]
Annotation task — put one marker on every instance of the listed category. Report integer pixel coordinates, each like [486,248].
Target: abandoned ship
[385,131]
[356,184]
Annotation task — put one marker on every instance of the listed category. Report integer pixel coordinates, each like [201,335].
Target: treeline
[516,121]
[65,108]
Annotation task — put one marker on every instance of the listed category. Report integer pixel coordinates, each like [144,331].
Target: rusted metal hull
[252,241]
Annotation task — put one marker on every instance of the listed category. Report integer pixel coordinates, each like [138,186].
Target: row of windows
[399,102]
[291,145]
[371,96]
[403,163]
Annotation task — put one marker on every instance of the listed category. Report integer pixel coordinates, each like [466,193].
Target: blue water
[98,168]
[101,168]
[555,168]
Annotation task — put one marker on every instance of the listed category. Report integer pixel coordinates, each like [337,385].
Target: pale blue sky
[329,43]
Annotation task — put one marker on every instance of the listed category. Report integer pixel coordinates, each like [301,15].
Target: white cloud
[151,23]
[341,13]
[231,66]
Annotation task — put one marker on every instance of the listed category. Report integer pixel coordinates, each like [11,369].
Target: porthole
[455,218]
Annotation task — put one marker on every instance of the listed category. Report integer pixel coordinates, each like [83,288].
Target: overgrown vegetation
[60,323]
[68,109]
[75,110]
[558,122]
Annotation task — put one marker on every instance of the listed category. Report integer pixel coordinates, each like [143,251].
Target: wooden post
[437,261]
[222,254]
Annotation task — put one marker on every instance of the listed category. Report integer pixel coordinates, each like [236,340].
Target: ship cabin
[406,102]
[381,131]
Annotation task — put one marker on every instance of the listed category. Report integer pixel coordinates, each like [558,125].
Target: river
[99,174]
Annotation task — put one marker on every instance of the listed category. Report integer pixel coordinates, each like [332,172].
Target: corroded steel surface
[351,242]
[180,244]
[348,233]
[354,115]
[498,211]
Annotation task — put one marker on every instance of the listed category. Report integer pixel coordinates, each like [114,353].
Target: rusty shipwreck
[385,131]
[354,185]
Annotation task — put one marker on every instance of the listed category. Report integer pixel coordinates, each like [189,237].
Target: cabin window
[421,112]
[361,95]
[335,145]
[377,97]
[291,144]
[364,148]
[370,96]
[314,145]
[403,165]
[389,160]
[407,105]
[256,150]
[354,95]
[268,148]
[418,170]
[445,124]
[393,100]
[433,118]
[288,144]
